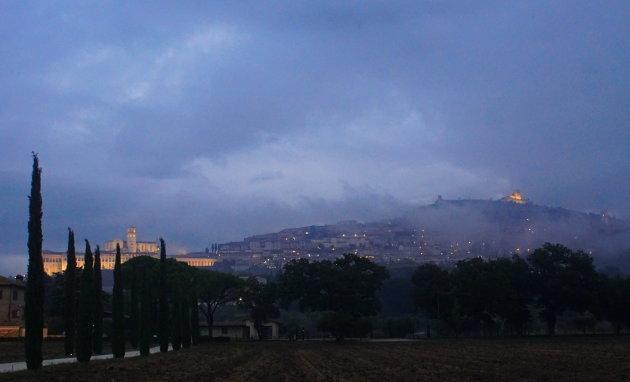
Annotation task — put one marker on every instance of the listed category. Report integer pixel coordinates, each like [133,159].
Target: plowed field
[531,359]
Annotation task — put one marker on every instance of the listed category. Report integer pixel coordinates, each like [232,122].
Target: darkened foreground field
[540,359]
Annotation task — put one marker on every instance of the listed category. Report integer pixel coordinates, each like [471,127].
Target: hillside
[445,231]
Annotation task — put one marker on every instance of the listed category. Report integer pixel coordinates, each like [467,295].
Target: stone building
[56,261]
[132,245]
[241,329]
[12,295]
[516,198]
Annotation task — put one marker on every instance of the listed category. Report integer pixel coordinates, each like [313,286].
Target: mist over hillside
[513,227]
[445,232]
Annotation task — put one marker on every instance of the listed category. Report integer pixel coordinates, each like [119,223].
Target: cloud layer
[208,122]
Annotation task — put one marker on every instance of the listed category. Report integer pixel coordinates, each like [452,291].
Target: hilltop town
[445,231]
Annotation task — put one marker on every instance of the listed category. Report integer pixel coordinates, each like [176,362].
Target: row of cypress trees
[177,316]
[177,321]
[85,319]
[83,316]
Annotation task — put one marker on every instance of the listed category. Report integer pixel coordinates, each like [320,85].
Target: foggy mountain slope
[521,226]
[448,231]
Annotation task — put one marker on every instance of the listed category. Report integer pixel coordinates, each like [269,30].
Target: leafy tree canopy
[347,285]
[177,273]
[432,291]
[260,300]
[215,289]
[563,279]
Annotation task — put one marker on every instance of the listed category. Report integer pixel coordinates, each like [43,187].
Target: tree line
[475,297]
[150,297]
[161,298]
[130,317]
[153,300]
[505,295]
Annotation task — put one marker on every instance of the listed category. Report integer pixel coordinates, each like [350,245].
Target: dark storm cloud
[211,121]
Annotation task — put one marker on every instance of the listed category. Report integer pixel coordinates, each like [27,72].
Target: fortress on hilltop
[516,197]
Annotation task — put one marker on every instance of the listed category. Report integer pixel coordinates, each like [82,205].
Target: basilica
[56,261]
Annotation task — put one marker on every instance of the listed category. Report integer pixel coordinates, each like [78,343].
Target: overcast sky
[208,121]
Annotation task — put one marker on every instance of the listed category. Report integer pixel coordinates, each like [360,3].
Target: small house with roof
[242,329]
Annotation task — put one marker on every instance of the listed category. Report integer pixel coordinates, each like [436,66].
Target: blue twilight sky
[209,121]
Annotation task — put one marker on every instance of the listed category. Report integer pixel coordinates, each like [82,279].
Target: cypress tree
[163,303]
[70,295]
[194,317]
[145,322]
[85,317]
[118,319]
[34,304]
[134,311]
[97,343]
[185,308]
[176,332]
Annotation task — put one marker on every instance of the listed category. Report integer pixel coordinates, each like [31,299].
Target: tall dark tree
[344,289]
[85,318]
[493,294]
[98,303]
[563,279]
[34,304]
[163,302]
[176,330]
[513,293]
[431,292]
[70,295]
[194,316]
[134,308]
[473,288]
[118,318]
[261,301]
[185,309]
[613,303]
[215,289]
[146,305]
